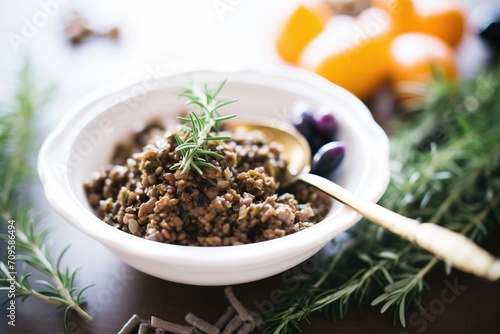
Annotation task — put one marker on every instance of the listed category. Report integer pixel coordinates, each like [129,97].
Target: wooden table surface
[158,37]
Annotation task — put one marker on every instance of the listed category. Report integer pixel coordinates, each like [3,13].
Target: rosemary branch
[203,128]
[30,244]
[32,241]
[446,161]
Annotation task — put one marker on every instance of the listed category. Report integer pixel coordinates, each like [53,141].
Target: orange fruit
[401,11]
[441,18]
[414,56]
[305,23]
[352,53]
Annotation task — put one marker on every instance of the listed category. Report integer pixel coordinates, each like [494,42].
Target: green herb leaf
[203,128]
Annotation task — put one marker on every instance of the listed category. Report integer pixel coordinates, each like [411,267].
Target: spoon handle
[451,247]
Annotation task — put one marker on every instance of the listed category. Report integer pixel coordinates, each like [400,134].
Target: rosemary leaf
[203,128]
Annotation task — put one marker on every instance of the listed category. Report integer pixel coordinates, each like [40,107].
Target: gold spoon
[451,247]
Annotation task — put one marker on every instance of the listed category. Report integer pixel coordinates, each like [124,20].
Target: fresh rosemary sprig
[446,170]
[30,242]
[203,128]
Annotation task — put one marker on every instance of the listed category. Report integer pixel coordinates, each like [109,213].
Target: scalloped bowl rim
[212,265]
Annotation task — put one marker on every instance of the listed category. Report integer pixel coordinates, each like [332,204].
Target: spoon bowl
[295,146]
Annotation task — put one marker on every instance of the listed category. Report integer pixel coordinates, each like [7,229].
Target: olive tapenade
[234,203]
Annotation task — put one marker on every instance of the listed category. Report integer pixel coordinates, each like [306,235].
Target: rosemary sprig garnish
[446,170]
[30,242]
[203,128]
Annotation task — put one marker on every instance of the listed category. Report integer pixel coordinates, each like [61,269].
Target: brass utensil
[451,247]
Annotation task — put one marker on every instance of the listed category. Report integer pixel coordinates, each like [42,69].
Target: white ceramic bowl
[85,139]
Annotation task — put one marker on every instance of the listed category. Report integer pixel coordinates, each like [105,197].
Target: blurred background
[83,45]
[153,36]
